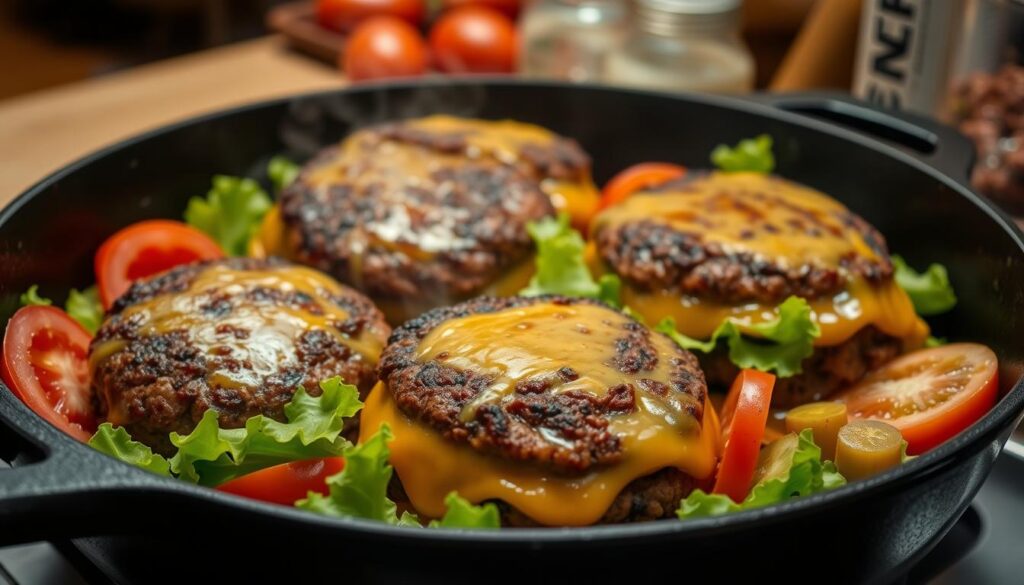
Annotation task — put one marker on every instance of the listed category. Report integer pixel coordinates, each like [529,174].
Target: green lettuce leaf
[282,172]
[932,341]
[85,307]
[117,443]
[462,514]
[930,291]
[230,213]
[779,345]
[561,268]
[804,475]
[610,290]
[640,319]
[211,456]
[752,154]
[360,490]
[31,297]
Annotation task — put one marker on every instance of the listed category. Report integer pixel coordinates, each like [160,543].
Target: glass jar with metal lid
[569,39]
[689,45]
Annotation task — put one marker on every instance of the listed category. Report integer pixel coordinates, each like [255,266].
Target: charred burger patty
[477,376]
[727,245]
[425,212]
[237,336]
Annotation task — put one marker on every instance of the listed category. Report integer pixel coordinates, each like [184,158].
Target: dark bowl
[867,531]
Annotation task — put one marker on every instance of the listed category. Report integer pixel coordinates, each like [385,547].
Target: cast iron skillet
[867,531]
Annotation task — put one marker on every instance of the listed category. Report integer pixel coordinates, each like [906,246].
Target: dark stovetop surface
[985,546]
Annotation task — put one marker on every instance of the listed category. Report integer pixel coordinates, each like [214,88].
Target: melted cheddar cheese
[269,239]
[503,140]
[525,343]
[395,169]
[885,306]
[777,221]
[396,165]
[273,330]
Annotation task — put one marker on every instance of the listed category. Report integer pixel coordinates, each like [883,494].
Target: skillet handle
[933,143]
[57,487]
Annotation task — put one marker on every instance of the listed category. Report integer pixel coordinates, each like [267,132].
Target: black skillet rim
[965,445]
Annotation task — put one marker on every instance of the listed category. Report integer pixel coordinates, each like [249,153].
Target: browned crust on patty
[650,255]
[827,371]
[562,159]
[160,381]
[485,203]
[435,393]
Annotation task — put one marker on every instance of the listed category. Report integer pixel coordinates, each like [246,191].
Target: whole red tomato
[384,46]
[509,8]
[474,39]
[344,15]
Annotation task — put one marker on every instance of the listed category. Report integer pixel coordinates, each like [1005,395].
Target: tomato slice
[929,395]
[286,483]
[637,177]
[147,248]
[744,416]
[46,365]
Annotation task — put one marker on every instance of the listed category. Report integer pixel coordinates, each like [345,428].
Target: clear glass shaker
[684,45]
[570,39]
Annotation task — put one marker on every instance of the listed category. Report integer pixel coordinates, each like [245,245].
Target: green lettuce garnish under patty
[801,473]
[231,212]
[779,345]
[82,306]
[211,456]
[751,154]
[462,514]
[282,172]
[930,291]
[561,268]
[360,491]
[31,298]
[116,442]
[86,308]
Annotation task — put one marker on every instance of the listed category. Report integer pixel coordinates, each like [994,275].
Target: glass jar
[569,39]
[687,45]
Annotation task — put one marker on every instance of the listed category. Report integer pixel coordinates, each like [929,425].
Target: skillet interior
[49,235]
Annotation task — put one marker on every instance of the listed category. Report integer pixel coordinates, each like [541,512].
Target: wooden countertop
[42,131]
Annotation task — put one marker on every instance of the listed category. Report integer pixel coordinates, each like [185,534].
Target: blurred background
[52,42]
[46,43]
[67,63]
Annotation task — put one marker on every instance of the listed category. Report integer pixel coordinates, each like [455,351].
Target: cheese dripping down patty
[520,344]
[764,220]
